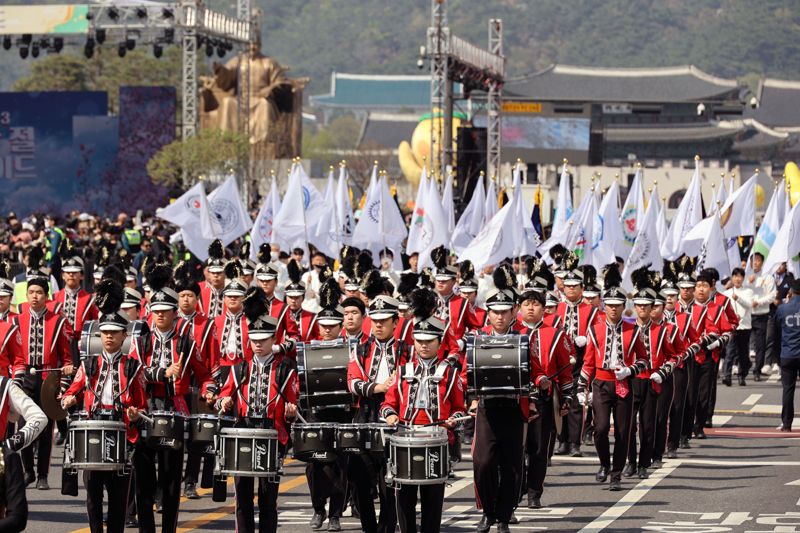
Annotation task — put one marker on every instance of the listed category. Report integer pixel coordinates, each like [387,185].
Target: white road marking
[630,499]
[752,399]
[738,463]
[794,483]
[720,420]
[766,409]
[460,483]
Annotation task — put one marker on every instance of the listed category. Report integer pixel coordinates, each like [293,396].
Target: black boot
[672,453]
[484,525]
[575,450]
[563,449]
[642,472]
[685,443]
[615,485]
[602,474]
[317,520]
[629,470]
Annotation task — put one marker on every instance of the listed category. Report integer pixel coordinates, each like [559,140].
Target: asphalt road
[744,477]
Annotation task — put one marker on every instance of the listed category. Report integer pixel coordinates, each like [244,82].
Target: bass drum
[322,372]
[90,343]
[498,365]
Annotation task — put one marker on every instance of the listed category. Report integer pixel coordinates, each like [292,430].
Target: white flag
[192,214]
[688,215]
[631,215]
[787,245]
[415,243]
[447,204]
[381,223]
[289,226]
[330,185]
[490,208]
[738,214]
[526,240]
[471,219]
[494,241]
[227,206]
[262,227]
[714,252]
[581,228]
[773,218]
[431,226]
[661,224]
[324,231]
[344,209]
[607,228]
[563,203]
[645,250]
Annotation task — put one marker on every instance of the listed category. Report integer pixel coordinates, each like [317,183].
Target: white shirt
[107,394]
[743,305]
[764,292]
[423,400]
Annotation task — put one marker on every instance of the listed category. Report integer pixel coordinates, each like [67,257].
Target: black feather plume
[158,276]
[372,284]
[182,270]
[466,270]
[504,277]
[109,295]
[589,275]
[423,303]
[557,253]
[611,276]
[670,270]
[408,282]
[348,266]
[325,274]
[426,278]
[686,264]
[264,253]
[641,278]
[293,269]
[363,263]
[439,257]
[233,269]
[5,269]
[570,261]
[244,251]
[329,294]
[347,251]
[254,304]
[113,272]
[216,250]
[35,257]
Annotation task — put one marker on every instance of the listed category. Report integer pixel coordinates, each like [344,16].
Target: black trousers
[32,385]
[192,473]
[364,472]
[497,457]
[773,349]
[760,326]
[168,482]
[790,368]
[431,502]
[267,505]
[692,391]
[663,408]
[680,390]
[328,481]
[644,412]
[116,486]
[606,403]
[706,385]
[538,447]
[572,428]
[738,352]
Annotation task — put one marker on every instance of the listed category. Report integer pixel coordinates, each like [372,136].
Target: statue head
[254,48]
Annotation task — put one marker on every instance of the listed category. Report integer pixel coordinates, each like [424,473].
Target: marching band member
[614,353]
[112,386]
[231,325]
[211,289]
[204,333]
[454,310]
[353,325]
[12,356]
[405,324]
[577,319]
[168,353]
[266,275]
[553,349]
[327,482]
[45,343]
[468,286]
[497,448]
[429,390]
[305,322]
[262,393]
[650,384]
[6,292]
[542,280]
[132,304]
[370,374]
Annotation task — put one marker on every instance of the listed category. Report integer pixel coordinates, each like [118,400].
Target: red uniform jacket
[662,349]
[363,367]
[8,316]
[305,325]
[281,378]
[633,353]
[587,317]
[205,298]
[446,400]
[56,340]
[554,351]
[481,316]
[204,333]
[685,336]
[183,348]
[230,359]
[730,313]
[12,356]
[708,319]
[130,390]
[85,309]
[462,317]
[287,328]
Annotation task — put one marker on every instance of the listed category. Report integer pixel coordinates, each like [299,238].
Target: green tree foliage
[209,152]
[341,134]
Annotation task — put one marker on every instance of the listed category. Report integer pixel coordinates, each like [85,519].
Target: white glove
[276,348]
[714,345]
[544,383]
[582,398]
[656,377]
[622,373]
[580,341]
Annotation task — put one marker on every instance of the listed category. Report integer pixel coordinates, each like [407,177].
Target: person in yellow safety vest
[132,240]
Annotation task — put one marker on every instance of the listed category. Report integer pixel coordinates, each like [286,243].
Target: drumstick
[560,370]
[35,371]
[299,416]
[440,422]
[146,418]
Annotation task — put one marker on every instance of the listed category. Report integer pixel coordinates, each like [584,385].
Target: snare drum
[166,431]
[418,457]
[352,438]
[314,442]
[96,445]
[498,365]
[248,452]
[203,429]
[378,437]
[322,373]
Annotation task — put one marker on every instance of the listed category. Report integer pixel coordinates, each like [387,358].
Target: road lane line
[630,499]
[752,399]
[720,420]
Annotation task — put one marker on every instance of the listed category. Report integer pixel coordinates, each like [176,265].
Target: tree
[211,151]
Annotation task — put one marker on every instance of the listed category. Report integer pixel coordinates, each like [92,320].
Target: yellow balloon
[792,173]
[420,147]
[759,196]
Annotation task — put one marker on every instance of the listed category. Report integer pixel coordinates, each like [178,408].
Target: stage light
[100,35]
[169,35]
[130,43]
[209,49]
[88,49]
[7,43]
[166,13]
[122,50]
[158,51]
[58,44]
[113,14]
[221,50]
[26,39]
[141,12]
[23,52]
[35,50]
